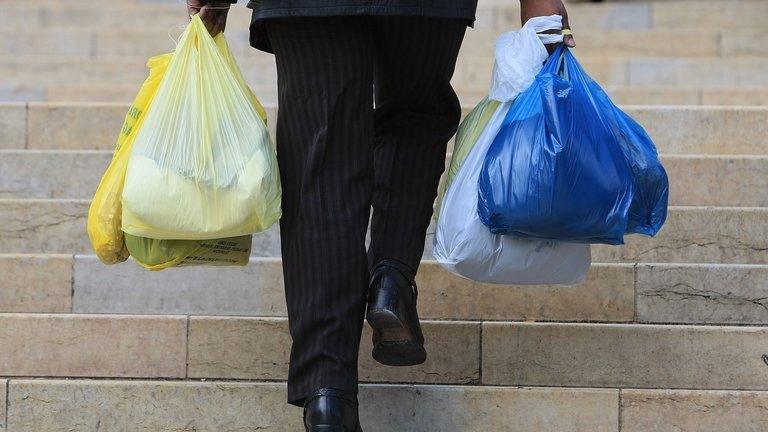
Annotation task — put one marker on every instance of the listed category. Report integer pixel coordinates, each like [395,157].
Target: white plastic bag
[463,244]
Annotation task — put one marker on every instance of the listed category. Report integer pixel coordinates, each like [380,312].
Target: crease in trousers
[340,158]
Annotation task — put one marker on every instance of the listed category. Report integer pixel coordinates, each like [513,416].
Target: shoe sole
[396,345]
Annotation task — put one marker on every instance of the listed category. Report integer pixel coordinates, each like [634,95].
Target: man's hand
[213,14]
[534,8]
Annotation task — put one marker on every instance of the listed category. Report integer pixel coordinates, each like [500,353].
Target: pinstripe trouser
[339,157]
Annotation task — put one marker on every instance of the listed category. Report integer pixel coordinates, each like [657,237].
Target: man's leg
[416,114]
[324,147]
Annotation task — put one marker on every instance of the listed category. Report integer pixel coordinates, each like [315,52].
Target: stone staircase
[667,334]
[673,52]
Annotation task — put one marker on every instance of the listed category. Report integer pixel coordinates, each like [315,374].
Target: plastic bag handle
[562,69]
[544,23]
[197,35]
[558,64]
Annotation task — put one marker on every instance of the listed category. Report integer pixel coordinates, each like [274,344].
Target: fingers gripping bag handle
[203,166]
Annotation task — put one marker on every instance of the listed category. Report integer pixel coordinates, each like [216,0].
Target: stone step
[624,355]
[258,69]
[116,15]
[233,406]
[676,95]
[493,353]
[69,126]
[718,180]
[640,42]
[469,94]
[727,235]
[471,70]
[698,14]
[674,14]
[639,71]
[732,181]
[86,43]
[174,346]
[501,15]
[701,411]
[648,293]
[81,284]
[111,42]
[675,130]
[227,406]
[48,405]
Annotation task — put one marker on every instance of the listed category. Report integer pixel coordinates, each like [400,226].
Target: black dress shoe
[397,337]
[331,410]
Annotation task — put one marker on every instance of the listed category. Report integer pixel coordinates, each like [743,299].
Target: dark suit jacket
[464,9]
[265,9]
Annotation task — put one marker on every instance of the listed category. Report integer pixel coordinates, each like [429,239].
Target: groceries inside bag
[463,244]
[202,165]
[569,165]
[155,254]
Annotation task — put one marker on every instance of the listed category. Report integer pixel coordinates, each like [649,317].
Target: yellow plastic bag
[202,165]
[104,214]
[162,254]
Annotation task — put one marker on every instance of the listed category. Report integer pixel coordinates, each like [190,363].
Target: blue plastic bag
[569,165]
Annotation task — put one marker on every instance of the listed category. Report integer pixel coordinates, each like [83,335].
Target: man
[339,157]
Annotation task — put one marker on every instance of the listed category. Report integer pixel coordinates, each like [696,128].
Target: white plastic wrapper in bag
[463,244]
